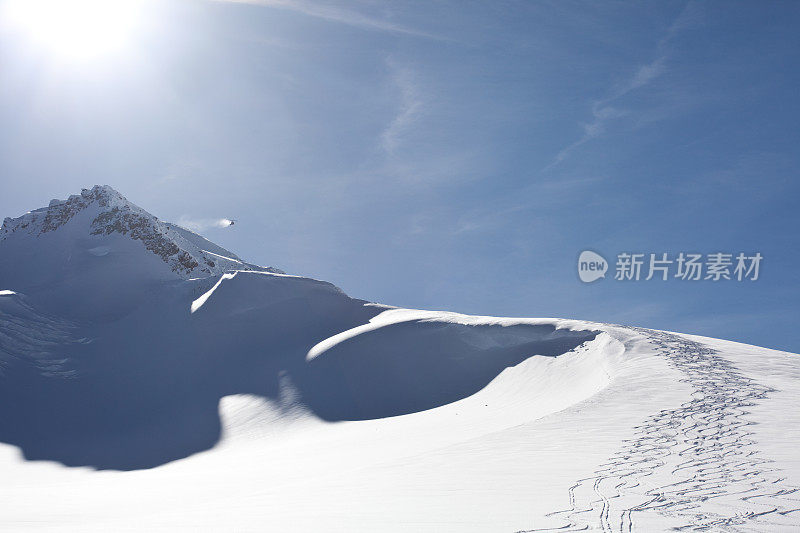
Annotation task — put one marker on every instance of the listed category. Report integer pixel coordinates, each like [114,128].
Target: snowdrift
[144,389]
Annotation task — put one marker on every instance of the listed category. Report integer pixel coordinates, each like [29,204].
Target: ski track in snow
[696,466]
[37,338]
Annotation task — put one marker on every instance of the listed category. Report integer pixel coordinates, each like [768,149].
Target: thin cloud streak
[409,109]
[644,75]
[335,14]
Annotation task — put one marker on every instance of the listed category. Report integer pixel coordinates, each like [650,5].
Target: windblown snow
[152,380]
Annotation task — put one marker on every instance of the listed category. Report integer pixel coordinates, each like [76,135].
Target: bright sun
[75,29]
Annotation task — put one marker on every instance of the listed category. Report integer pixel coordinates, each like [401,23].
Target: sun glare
[75,29]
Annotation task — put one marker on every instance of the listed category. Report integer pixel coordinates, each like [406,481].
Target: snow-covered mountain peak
[100,222]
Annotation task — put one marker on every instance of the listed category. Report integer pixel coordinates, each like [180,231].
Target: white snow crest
[198,303]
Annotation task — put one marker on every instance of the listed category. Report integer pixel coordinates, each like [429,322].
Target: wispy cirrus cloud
[337,14]
[603,111]
[409,109]
[601,114]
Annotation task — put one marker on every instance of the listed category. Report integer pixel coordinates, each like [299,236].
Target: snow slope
[137,393]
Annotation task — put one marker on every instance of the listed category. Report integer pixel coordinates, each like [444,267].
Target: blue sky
[445,155]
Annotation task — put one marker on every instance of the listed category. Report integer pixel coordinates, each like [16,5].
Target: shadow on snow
[143,390]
